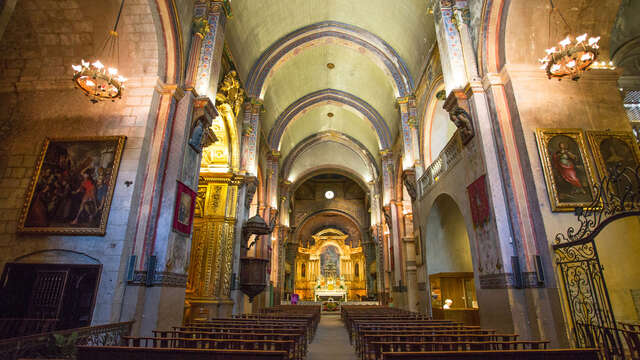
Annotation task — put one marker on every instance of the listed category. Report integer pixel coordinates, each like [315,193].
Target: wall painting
[567,168]
[72,186]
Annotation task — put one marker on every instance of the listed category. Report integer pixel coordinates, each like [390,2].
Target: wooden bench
[562,354]
[376,348]
[414,329]
[247,328]
[287,346]
[389,335]
[140,353]
[298,337]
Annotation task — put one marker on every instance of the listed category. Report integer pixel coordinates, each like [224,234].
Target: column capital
[219,6]
[406,99]
[387,154]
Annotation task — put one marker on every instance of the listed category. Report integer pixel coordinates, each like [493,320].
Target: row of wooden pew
[383,333]
[281,332]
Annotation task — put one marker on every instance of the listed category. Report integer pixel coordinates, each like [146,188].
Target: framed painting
[614,149]
[72,186]
[567,168]
[184,209]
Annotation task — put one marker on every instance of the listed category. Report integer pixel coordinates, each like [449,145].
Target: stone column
[409,131]
[159,252]
[249,167]
[509,239]
[412,278]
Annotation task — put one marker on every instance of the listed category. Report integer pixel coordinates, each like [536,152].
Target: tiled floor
[331,341]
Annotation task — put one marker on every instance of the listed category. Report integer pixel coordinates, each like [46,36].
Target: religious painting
[615,150]
[72,186]
[567,168]
[479,201]
[330,262]
[184,209]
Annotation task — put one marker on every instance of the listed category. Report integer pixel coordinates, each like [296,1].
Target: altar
[321,294]
[330,269]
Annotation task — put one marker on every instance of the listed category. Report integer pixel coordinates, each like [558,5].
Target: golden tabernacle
[329,268]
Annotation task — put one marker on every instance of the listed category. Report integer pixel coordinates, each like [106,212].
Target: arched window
[303,271]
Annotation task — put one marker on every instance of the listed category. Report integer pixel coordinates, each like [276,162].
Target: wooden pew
[287,346]
[561,354]
[298,337]
[140,353]
[376,329]
[378,348]
[386,335]
[259,328]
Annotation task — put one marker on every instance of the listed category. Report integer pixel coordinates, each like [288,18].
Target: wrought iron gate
[585,293]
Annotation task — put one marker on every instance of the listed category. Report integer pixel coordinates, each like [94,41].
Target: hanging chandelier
[98,81]
[571,58]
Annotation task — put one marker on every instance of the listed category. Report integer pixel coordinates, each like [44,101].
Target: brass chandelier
[572,56]
[98,81]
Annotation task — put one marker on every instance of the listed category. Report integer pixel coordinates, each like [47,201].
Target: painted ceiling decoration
[327,96]
[330,136]
[329,32]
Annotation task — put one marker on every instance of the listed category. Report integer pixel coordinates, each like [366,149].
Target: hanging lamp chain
[554,8]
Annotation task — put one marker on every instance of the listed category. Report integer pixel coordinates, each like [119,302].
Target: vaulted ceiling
[377,50]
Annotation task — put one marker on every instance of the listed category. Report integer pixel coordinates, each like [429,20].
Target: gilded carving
[230,94]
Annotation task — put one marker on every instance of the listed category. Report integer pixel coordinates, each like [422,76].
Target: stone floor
[331,341]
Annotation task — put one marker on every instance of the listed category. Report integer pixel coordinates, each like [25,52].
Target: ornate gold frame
[543,136]
[595,137]
[101,230]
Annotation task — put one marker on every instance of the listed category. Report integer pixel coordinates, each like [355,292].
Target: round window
[329,194]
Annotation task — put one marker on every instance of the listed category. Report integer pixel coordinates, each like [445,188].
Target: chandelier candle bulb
[572,58]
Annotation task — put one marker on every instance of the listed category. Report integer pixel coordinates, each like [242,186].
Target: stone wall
[41,42]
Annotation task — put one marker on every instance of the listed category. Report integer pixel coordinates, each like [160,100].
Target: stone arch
[349,221]
[497,23]
[448,244]
[346,140]
[344,34]
[168,33]
[360,107]
[434,114]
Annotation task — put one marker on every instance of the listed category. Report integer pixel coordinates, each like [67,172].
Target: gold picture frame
[611,148]
[72,186]
[567,167]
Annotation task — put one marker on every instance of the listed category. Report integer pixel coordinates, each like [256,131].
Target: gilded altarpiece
[210,267]
[209,281]
[348,273]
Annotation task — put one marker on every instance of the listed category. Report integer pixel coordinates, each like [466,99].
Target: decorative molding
[162,279]
[497,281]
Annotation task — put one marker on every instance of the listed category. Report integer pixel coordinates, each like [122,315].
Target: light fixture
[100,81]
[329,195]
[572,57]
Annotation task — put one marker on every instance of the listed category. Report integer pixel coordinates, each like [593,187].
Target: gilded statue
[230,93]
